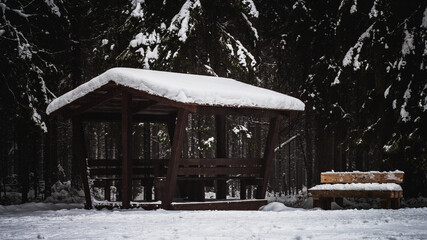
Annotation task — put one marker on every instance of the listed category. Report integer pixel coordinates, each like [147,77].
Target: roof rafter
[97,102]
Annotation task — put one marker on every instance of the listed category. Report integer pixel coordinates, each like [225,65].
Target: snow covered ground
[69,221]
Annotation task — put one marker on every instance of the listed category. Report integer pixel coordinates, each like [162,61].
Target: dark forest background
[359,66]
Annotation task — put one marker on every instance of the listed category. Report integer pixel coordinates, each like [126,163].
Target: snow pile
[359,187]
[276,207]
[185,88]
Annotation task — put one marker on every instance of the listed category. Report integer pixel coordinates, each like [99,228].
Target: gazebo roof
[157,93]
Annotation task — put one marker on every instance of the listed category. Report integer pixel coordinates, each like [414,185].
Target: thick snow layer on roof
[185,88]
[359,187]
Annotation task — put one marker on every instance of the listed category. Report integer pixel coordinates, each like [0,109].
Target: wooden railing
[220,166]
[152,172]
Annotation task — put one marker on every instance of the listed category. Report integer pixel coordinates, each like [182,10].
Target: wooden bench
[338,185]
[152,173]
[104,172]
[204,172]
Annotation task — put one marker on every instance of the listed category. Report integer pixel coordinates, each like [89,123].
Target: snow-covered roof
[185,88]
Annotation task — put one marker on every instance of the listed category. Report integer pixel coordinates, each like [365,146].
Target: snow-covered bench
[382,185]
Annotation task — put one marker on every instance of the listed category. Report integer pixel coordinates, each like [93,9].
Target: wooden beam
[220,171]
[80,155]
[273,133]
[116,117]
[236,111]
[94,103]
[221,152]
[143,105]
[126,149]
[176,152]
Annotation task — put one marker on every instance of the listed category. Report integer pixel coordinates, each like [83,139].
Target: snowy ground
[69,221]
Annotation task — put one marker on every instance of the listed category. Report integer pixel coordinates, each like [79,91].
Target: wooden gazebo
[135,95]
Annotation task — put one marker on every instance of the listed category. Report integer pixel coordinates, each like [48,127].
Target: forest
[360,67]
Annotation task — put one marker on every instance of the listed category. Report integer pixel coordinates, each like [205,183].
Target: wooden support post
[80,155]
[316,202]
[325,203]
[176,155]
[221,152]
[171,127]
[273,134]
[385,203]
[107,190]
[242,189]
[148,187]
[395,203]
[126,149]
[148,192]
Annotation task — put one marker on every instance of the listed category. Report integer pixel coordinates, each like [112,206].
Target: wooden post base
[323,203]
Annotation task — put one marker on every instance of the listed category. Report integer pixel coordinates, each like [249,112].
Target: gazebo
[135,95]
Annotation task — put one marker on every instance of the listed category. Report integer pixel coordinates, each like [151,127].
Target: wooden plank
[362,177]
[221,152]
[126,149]
[118,162]
[253,204]
[178,140]
[221,161]
[218,170]
[272,137]
[100,182]
[143,205]
[118,171]
[80,154]
[248,180]
[353,193]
